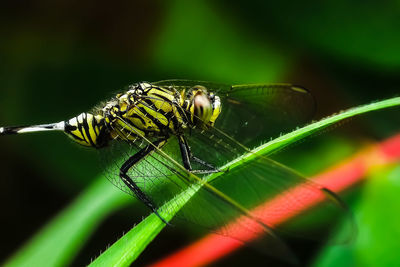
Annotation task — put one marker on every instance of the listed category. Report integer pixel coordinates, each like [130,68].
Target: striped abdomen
[88,130]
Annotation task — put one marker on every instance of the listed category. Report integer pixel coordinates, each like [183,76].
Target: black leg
[131,184]
[185,152]
[187,156]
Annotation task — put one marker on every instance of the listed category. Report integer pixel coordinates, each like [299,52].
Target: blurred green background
[60,59]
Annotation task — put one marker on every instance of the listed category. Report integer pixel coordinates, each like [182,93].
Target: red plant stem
[338,178]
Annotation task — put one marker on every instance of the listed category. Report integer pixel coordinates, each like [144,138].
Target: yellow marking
[217,110]
[123,127]
[161,104]
[177,115]
[137,122]
[79,141]
[77,133]
[191,112]
[183,92]
[98,119]
[123,106]
[85,134]
[155,91]
[92,131]
[154,114]
[93,134]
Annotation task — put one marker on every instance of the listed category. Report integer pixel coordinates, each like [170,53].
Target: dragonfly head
[204,106]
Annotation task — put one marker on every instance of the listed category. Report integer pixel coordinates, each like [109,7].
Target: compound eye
[202,107]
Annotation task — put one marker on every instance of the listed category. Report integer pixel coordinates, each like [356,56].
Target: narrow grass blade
[128,248]
[58,242]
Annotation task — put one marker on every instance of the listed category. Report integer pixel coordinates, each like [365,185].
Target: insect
[170,135]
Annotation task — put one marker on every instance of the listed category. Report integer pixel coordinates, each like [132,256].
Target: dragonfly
[163,139]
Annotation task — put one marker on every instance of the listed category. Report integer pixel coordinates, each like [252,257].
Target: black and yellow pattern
[86,129]
[144,110]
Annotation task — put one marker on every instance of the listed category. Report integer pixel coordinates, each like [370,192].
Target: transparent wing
[254,113]
[160,176]
[144,174]
[249,115]
[277,195]
[246,193]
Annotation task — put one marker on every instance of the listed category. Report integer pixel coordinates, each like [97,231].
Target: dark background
[60,59]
